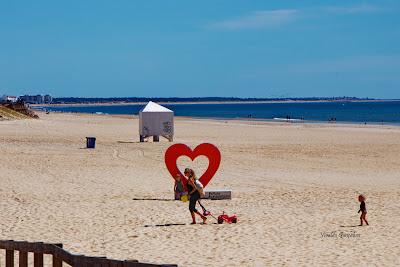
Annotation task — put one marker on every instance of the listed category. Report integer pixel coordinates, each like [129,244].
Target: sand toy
[221,218]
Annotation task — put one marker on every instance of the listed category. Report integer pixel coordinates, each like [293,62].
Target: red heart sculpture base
[210,151]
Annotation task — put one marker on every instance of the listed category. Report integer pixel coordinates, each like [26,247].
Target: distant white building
[37,99]
[48,99]
[9,98]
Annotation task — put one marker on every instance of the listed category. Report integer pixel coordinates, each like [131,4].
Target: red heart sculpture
[210,151]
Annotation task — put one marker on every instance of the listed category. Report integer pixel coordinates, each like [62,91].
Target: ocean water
[352,112]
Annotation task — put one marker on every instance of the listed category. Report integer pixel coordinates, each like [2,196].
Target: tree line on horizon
[69,100]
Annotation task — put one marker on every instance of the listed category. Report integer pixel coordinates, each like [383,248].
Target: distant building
[36,99]
[9,98]
[48,99]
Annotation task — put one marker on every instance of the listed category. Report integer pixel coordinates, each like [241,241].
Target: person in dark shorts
[363,210]
[194,196]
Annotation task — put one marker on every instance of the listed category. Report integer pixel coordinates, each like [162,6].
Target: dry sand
[291,184]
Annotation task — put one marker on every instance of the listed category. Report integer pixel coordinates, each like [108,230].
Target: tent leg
[170,138]
[141,138]
[156,138]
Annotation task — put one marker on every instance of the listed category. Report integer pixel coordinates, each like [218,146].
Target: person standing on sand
[194,195]
[178,187]
[363,210]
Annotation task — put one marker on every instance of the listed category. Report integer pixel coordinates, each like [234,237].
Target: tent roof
[154,107]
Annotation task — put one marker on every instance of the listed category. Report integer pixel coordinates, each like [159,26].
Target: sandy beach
[295,189]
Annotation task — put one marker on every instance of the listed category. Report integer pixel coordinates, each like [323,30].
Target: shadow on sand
[176,224]
[349,225]
[154,199]
[162,225]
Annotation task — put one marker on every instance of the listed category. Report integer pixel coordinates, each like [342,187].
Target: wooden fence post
[23,259]
[38,259]
[57,262]
[9,258]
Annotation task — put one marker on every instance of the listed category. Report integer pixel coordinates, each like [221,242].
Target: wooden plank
[23,259]
[57,262]
[60,245]
[130,263]
[96,261]
[23,246]
[38,259]
[9,258]
[104,262]
[49,248]
[64,255]
[79,261]
[7,244]
[92,261]
[115,263]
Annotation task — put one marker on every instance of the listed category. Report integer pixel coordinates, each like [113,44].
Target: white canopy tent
[156,120]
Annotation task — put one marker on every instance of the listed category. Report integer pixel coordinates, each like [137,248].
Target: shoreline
[242,120]
[210,102]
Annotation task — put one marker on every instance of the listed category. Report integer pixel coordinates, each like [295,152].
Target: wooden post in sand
[38,259]
[23,259]
[9,258]
[57,261]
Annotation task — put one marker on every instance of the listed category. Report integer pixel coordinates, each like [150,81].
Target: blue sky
[200,48]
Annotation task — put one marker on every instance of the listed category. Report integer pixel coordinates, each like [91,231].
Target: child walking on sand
[363,210]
